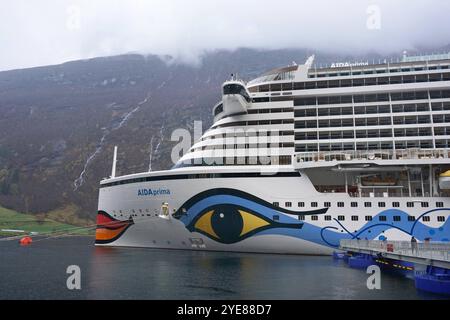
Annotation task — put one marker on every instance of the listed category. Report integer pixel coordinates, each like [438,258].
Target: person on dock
[413,245]
[426,243]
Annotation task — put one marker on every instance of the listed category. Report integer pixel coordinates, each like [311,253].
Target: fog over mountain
[45,32]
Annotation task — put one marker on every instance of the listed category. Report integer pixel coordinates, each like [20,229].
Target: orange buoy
[25,241]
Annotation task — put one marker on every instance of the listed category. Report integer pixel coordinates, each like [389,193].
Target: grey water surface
[38,271]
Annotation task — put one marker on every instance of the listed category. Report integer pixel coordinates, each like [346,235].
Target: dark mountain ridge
[59,123]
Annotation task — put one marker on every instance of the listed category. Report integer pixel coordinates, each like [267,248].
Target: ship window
[340,204]
[411,218]
[370,81]
[382,218]
[276,204]
[354,218]
[314,204]
[381,204]
[288,204]
[360,110]
[257,100]
[218,110]
[275,87]
[439,204]
[286,86]
[368,218]
[323,100]
[358,82]
[354,204]
[310,85]
[424,204]
[397,218]
[384,80]
[322,84]
[441,218]
[276,217]
[327,218]
[341,218]
[367,204]
[301,217]
[395,204]
[426,219]
[410,204]
[314,218]
[301,204]
[299,85]
[285,160]
[346,99]
[327,204]
[236,89]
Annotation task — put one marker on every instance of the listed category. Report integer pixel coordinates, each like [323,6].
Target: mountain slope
[59,124]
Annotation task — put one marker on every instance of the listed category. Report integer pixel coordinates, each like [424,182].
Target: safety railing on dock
[424,250]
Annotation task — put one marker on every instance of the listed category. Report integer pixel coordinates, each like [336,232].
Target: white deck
[379,157]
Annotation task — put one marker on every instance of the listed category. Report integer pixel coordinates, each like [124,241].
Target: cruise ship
[298,159]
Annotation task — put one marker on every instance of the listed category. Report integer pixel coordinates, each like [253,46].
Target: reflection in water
[102,272]
[38,272]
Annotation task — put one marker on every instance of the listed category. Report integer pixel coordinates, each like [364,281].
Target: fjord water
[38,271]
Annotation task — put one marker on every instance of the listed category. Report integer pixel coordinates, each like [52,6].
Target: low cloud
[34,33]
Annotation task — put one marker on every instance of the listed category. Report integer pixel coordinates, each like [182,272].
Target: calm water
[39,272]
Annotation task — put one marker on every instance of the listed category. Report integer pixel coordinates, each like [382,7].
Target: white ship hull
[130,216]
[370,143]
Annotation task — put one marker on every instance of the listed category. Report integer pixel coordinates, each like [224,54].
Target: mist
[36,33]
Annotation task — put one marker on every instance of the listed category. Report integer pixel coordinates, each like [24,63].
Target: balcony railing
[372,155]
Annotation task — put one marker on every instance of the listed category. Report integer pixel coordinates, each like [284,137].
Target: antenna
[113,170]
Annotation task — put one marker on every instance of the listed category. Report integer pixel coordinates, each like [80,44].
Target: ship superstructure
[298,159]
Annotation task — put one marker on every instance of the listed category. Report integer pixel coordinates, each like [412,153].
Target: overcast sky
[42,32]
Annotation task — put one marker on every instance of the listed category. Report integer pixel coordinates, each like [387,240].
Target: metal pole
[421,181]
[113,170]
[409,183]
[346,183]
[431,178]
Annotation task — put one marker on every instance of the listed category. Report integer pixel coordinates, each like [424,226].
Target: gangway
[405,255]
[426,253]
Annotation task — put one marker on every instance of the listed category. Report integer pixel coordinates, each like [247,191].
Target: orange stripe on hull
[109,229]
[107,234]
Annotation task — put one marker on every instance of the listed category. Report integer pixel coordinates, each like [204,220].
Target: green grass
[10,219]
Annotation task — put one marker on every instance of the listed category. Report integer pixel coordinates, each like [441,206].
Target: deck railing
[372,155]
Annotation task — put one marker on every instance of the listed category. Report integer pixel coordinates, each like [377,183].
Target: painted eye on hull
[230,223]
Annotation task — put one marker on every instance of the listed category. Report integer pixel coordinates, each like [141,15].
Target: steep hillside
[58,124]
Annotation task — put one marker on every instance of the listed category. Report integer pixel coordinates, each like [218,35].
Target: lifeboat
[444,180]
